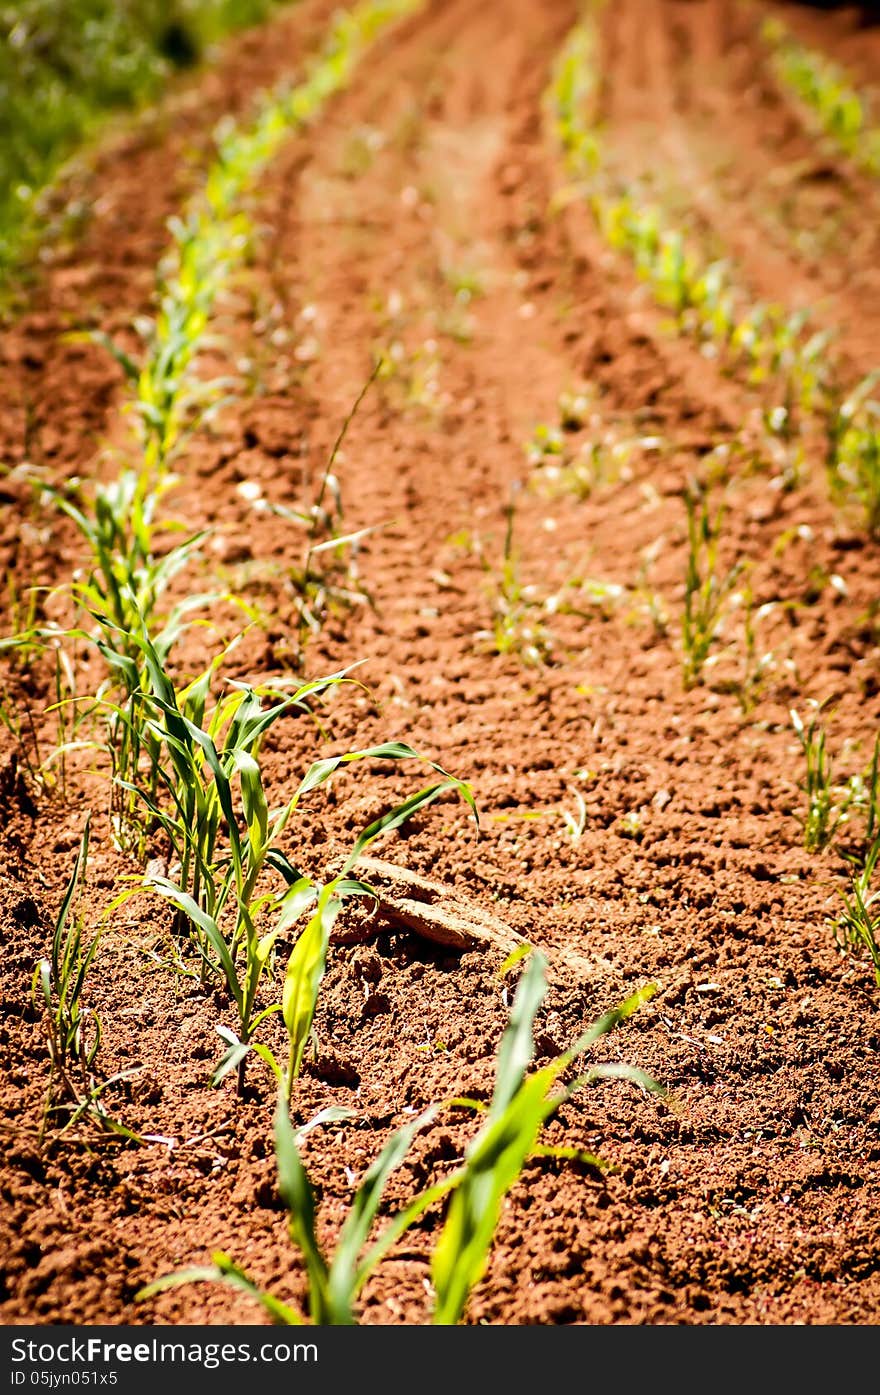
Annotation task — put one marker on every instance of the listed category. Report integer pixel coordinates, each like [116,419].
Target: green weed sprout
[827,804]
[524,1100]
[706,590]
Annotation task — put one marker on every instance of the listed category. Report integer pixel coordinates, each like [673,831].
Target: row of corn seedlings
[704,297]
[135,548]
[177,753]
[215,782]
[211,238]
[778,351]
[827,95]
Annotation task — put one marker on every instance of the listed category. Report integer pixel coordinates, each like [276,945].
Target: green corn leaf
[401,813]
[322,770]
[517,1045]
[294,902]
[346,1277]
[256,809]
[298,1197]
[305,970]
[281,863]
[209,927]
[230,1060]
[493,1163]
[76,878]
[223,1271]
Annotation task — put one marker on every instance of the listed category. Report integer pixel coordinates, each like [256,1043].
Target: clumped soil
[748,1192]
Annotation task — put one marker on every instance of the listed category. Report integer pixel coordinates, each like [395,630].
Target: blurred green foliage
[65,62]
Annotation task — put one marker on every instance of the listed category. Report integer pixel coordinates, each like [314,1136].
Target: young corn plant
[828,804]
[516,607]
[857,927]
[524,1100]
[73,1030]
[225,839]
[334,1281]
[133,557]
[706,589]
[854,452]
[573,96]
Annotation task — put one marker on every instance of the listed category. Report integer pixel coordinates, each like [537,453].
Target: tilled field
[635,829]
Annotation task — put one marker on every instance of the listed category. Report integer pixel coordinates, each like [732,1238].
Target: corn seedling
[575,822]
[73,1029]
[516,607]
[854,451]
[828,804]
[336,1281]
[857,927]
[706,590]
[524,1100]
[130,569]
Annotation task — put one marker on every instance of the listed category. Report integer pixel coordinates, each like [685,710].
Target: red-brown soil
[748,1193]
